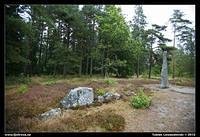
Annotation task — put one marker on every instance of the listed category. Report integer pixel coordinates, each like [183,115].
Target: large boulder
[78,97]
[50,114]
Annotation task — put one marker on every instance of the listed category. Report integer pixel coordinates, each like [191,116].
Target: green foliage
[12,80]
[185,65]
[140,100]
[139,40]
[185,39]
[115,41]
[156,70]
[167,48]
[22,88]
[50,82]
[100,92]
[94,39]
[17,34]
[110,81]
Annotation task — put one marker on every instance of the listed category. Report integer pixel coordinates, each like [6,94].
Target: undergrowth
[100,92]
[23,88]
[110,81]
[21,79]
[140,100]
[107,120]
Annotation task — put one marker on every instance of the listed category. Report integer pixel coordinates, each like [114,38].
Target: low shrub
[22,79]
[22,88]
[110,81]
[100,92]
[140,100]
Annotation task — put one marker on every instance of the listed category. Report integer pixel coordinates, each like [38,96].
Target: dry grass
[28,105]
[38,99]
[81,120]
[22,108]
[182,82]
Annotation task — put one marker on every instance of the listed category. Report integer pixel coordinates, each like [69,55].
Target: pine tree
[138,34]
[177,22]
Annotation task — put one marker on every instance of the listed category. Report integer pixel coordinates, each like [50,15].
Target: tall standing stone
[164,72]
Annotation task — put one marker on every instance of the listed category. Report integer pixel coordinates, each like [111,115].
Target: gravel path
[180,89]
[170,111]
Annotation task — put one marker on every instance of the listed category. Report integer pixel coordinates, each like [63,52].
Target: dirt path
[173,88]
[169,112]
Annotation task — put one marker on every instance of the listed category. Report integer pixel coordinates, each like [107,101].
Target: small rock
[108,96]
[127,93]
[117,96]
[50,114]
[100,99]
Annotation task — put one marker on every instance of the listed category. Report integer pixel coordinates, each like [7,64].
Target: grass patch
[14,80]
[111,121]
[140,100]
[80,120]
[46,79]
[22,88]
[50,82]
[8,87]
[182,81]
[100,92]
[110,81]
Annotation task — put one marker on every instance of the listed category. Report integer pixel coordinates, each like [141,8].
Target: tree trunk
[64,70]
[46,51]
[54,73]
[102,68]
[93,44]
[91,66]
[107,62]
[106,73]
[68,35]
[81,60]
[138,63]
[40,51]
[45,60]
[150,62]
[87,65]
[80,67]
[173,58]
[173,69]
[39,60]
[150,71]
[25,69]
